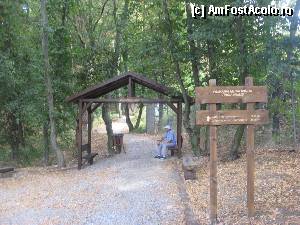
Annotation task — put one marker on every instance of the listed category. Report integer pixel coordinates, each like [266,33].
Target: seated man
[167,141]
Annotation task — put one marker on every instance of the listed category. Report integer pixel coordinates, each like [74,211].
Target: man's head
[168,127]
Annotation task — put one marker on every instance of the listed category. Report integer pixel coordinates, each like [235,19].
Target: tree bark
[194,132]
[113,71]
[192,44]
[290,55]
[48,84]
[150,119]
[108,124]
[211,53]
[128,120]
[46,142]
[120,33]
[14,136]
[138,121]
[160,116]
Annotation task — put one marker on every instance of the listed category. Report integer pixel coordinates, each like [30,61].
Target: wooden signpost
[212,117]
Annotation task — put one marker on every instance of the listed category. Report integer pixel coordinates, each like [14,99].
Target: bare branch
[101,14]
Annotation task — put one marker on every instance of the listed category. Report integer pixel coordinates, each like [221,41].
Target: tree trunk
[48,84]
[14,136]
[107,120]
[234,153]
[211,52]
[160,116]
[128,120]
[113,70]
[120,28]
[150,119]
[290,55]
[195,131]
[192,44]
[138,121]
[206,143]
[46,142]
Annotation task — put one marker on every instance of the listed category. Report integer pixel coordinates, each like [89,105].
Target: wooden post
[80,134]
[77,133]
[213,193]
[89,130]
[248,94]
[131,88]
[250,157]
[179,127]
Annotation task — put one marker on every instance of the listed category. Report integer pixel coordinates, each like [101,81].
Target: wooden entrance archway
[90,99]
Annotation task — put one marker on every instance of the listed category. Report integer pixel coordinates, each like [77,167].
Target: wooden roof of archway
[117,82]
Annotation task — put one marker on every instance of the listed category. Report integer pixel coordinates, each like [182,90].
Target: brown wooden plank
[95,107]
[80,135]
[179,128]
[133,100]
[6,169]
[89,130]
[173,107]
[213,184]
[86,106]
[234,117]
[131,87]
[231,94]
[250,158]
[121,81]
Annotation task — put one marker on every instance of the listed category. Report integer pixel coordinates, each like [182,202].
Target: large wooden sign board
[212,117]
[231,94]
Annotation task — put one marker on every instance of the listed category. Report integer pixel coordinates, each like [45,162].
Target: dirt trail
[132,188]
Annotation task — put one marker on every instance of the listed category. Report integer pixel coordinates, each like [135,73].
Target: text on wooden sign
[232,117]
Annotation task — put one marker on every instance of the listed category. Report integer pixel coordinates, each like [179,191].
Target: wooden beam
[89,131]
[133,100]
[179,128]
[96,107]
[85,106]
[80,134]
[6,169]
[131,87]
[121,81]
[173,107]
[213,193]
[250,157]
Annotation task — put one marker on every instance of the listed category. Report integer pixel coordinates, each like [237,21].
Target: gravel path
[131,188]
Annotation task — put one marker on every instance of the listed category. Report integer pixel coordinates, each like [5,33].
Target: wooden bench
[175,148]
[6,169]
[6,172]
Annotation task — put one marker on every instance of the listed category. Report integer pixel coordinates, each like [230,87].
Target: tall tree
[294,22]
[48,84]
